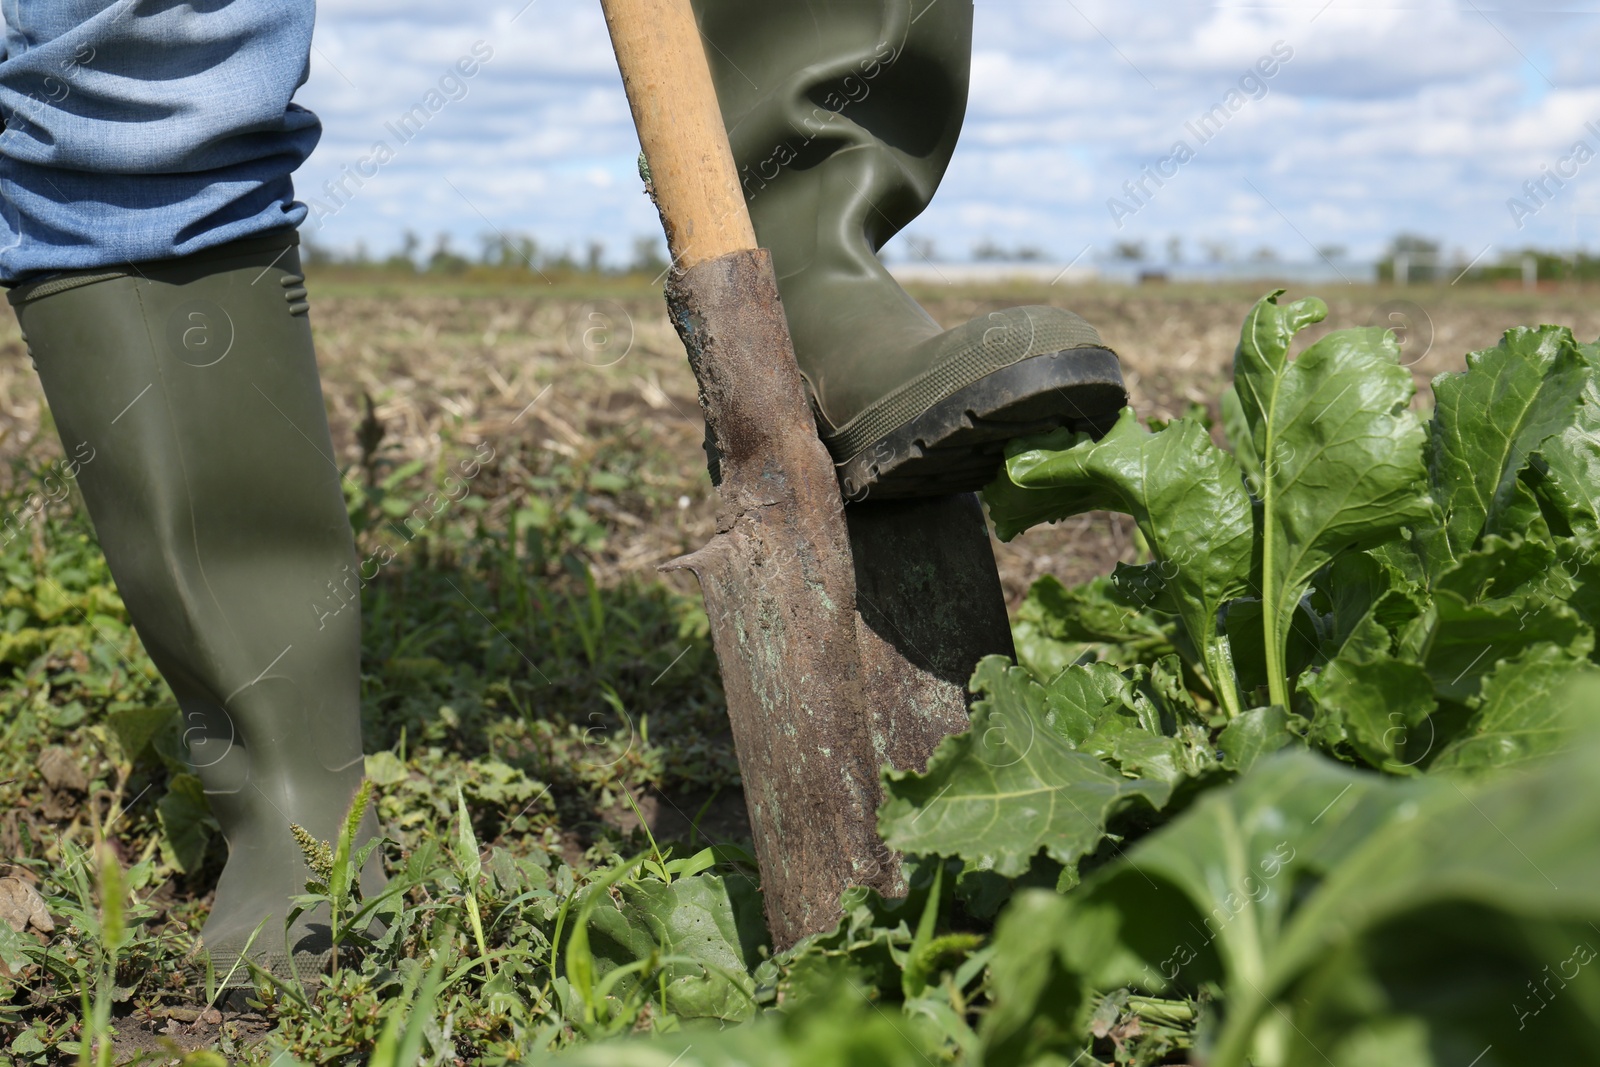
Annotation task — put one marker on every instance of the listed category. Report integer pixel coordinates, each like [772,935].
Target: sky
[1432,117]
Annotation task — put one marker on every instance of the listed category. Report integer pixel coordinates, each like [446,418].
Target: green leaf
[1236,857]
[1199,901]
[1341,454]
[203,1058]
[1379,705]
[1092,613]
[186,821]
[1576,576]
[1245,624]
[1055,626]
[467,853]
[1305,881]
[842,1030]
[1520,846]
[27,1042]
[914,978]
[865,951]
[1258,732]
[1498,568]
[1240,441]
[1009,787]
[1519,716]
[1079,698]
[580,958]
[135,728]
[1043,656]
[1430,989]
[707,930]
[1469,639]
[384,768]
[1372,603]
[1569,464]
[399,1044]
[1039,1011]
[13,948]
[1489,421]
[113,902]
[1261,359]
[690,866]
[1186,495]
[1148,727]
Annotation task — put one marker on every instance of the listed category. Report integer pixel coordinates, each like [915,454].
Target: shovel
[845,635]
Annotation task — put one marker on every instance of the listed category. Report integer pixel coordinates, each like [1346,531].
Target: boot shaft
[800,81]
[842,117]
[213,490]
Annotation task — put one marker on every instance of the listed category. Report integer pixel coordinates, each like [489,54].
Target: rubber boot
[191,386]
[843,115]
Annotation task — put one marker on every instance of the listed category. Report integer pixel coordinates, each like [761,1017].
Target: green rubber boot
[843,115]
[191,385]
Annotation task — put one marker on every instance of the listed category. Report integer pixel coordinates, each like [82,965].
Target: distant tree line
[1416,259]
[510,252]
[1409,258]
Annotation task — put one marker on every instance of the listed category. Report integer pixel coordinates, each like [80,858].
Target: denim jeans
[142,129]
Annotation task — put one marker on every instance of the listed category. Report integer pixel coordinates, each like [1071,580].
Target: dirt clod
[61,770]
[22,907]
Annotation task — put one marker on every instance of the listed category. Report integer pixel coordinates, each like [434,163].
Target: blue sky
[1377,117]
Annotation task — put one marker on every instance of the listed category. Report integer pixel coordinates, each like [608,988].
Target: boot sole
[957,445]
[305,967]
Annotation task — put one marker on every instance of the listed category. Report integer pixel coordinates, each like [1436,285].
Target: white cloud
[1423,118]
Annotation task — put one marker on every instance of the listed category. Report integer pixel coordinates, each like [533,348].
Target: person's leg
[186,387]
[843,115]
[138,130]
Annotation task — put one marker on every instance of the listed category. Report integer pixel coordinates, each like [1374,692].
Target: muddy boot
[187,392]
[843,115]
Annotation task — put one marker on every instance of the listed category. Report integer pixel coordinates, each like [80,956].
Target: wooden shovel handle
[668,82]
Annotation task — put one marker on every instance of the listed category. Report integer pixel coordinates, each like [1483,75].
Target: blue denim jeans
[141,129]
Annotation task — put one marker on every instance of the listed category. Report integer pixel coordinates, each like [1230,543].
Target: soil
[164,1036]
[448,364]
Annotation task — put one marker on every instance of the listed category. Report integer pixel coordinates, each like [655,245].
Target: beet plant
[1354,674]
[1389,591]
[1316,782]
